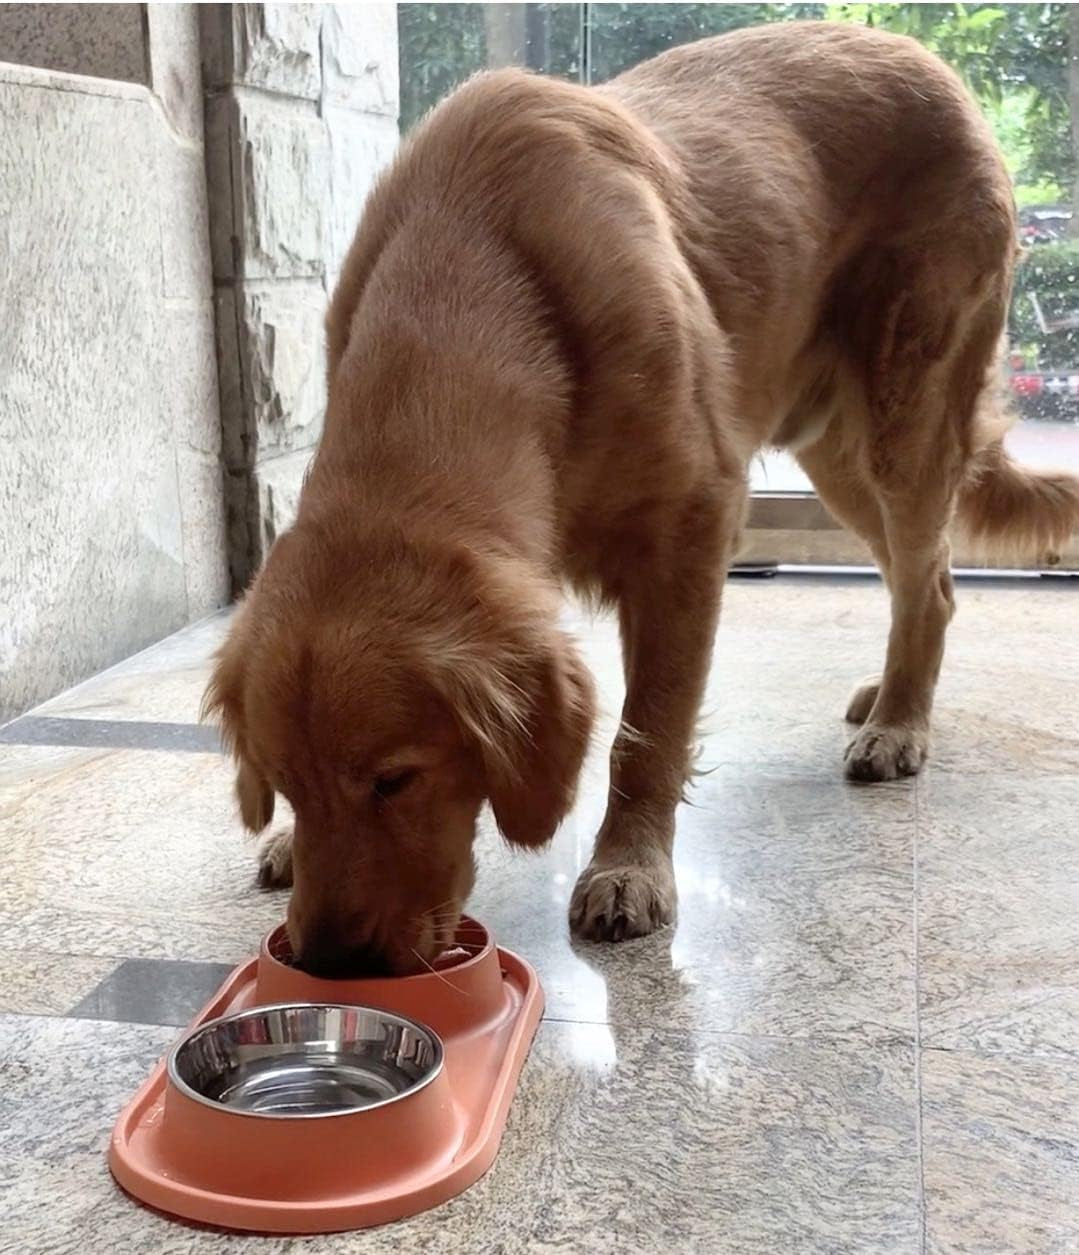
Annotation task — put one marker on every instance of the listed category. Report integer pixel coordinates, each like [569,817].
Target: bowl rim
[181,1086]
[266,950]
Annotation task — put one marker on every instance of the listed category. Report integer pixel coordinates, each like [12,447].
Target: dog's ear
[224,698]
[533,727]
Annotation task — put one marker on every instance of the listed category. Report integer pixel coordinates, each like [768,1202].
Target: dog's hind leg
[849,498]
[894,737]
[936,341]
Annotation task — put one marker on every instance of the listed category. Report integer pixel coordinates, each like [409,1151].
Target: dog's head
[386,694]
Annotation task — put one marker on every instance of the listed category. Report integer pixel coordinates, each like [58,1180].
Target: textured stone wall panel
[272,46]
[282,330]
[300,119]
[278,482]
[179,176]
[277,47]
[361,146]
[360,58]
[202,511]
[284,173]
[189,401]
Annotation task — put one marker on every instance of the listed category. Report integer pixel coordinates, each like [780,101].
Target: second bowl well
[305,1059]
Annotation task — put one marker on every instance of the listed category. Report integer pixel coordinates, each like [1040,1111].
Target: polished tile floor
[862,1036]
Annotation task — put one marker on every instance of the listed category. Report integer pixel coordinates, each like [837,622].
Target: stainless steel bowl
[305,1059]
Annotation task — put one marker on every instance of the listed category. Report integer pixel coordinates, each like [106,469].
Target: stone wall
[149,230]
[111,512]
[301,114]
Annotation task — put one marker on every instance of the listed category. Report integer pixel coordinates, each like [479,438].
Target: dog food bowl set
[296,1104]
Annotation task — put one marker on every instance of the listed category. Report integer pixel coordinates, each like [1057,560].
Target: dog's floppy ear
[532,789]
[533,727]
[225,698]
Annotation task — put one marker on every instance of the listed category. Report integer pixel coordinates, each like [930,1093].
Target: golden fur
[569,319]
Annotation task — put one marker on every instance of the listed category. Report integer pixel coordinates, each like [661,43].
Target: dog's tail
[1010,509]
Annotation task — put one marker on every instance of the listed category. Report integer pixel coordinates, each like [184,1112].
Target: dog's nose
[324,953]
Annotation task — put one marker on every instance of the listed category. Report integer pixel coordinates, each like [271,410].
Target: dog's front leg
[668,610]
[275,857]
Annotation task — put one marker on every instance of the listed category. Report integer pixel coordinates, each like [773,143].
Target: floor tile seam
[1008,1055]
[923,1210]
[890,1042]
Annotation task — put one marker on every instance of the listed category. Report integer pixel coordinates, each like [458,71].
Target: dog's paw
[614,903]
[275,858]
[862,702]
[883,753]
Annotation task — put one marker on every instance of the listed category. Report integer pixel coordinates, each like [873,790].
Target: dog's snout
[324,952]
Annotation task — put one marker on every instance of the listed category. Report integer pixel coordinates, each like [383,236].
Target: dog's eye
[393,782]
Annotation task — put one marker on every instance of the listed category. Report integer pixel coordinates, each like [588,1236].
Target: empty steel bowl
[305,1059]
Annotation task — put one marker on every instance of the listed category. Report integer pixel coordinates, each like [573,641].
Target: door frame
[794,529]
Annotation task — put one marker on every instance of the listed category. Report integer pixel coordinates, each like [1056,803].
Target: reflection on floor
[862,1036]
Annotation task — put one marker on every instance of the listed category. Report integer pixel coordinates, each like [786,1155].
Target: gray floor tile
[34,982]
[26,768]
[152,991]
[163,683]
[999,914]
[64,1082]
[630,1140]
[1001,1154]
[133,854]
[743,1082]
[110,734]
[795,917]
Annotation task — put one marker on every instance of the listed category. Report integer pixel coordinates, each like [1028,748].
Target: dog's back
[813,150]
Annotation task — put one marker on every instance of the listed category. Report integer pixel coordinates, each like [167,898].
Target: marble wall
[111,505]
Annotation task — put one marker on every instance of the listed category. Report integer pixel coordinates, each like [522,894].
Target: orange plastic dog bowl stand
[294,1175]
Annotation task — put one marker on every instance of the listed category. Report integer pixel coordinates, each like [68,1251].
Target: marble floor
[862,1036]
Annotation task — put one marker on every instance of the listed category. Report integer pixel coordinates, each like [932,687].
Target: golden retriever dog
[570,318]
